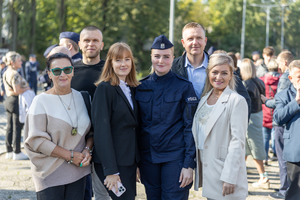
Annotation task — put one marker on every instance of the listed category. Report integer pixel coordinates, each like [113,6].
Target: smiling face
[162,61]
[194,41]
[219,77]
[62,81]
[91,43]
[122,66]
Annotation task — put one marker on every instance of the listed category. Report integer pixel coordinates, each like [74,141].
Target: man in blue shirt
[193,63]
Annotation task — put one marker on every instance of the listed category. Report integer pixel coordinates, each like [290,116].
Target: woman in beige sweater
[57,131]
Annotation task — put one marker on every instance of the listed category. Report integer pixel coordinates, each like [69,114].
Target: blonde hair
[272,65]
[286,56]
[10,56]
[116,51]
[295,63]
[247,69]
[219,59]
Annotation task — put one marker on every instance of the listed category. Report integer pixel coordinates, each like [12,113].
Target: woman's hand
[138,175]
[87,157]
[77,158]
[111,180]
[228,188]
[186,177]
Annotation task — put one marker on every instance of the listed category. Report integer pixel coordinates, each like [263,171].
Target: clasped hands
[82,159]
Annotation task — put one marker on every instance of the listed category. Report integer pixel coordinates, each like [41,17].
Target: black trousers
[71,191]
[14,127]
[293,172]
[128,179]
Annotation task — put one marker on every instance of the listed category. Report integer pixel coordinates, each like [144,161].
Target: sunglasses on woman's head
[57,71]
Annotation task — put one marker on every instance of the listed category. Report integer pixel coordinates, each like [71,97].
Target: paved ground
[16,181]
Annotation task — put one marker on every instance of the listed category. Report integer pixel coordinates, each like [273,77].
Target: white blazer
[224,147]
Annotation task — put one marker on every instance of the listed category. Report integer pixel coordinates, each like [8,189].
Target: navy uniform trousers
[161,180]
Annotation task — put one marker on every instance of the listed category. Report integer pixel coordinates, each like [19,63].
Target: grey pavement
[16,181]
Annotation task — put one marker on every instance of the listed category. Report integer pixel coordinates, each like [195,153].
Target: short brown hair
[234,58]
[248,69]
[192,25]
[269,51]
[295,63]
[286,56]
[117,50]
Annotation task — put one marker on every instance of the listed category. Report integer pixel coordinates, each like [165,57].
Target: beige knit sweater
[47,126]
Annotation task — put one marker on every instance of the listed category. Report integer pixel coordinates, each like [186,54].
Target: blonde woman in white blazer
[219,130]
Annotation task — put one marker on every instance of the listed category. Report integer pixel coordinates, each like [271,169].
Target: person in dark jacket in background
[32,68]
[287,114]
[193,63]
[283,60]
[254,137]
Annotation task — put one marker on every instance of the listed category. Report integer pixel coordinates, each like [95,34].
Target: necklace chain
[69,108]
[74,129]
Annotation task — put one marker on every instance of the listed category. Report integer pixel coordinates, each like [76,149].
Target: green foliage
[138,22]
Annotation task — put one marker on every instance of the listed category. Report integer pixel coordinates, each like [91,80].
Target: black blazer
[115,124]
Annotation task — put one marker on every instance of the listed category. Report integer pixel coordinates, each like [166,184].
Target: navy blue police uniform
[167,105]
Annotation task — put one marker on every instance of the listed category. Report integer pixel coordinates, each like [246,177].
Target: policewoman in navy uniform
[167,103]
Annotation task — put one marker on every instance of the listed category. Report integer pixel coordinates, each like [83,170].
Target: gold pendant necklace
[74,129]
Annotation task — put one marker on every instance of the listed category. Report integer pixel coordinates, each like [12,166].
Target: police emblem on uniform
[162,46]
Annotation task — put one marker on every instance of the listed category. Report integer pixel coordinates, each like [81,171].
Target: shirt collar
[122,83]
[204,63]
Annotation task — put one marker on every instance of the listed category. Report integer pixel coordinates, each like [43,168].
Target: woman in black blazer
[115,119]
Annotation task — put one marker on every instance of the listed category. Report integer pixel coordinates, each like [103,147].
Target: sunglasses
[57,71]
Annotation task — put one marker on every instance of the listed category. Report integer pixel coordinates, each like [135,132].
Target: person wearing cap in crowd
[193,63]
[70,40]
[255,57]
[167,103]
[32,68]
[43,77]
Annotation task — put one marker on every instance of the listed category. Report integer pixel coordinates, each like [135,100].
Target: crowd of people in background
[97,130]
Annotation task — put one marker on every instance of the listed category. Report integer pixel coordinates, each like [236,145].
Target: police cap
[161,42]
[70,35]
[255,52]
[49,49]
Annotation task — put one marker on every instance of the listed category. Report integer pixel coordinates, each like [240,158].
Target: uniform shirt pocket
[171,108]
[145,105]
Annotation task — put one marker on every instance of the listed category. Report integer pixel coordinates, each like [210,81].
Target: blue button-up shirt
[197,75]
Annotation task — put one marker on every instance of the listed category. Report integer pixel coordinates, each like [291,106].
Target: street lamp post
[282,25]
[171,24]
[267,7]
[243,30]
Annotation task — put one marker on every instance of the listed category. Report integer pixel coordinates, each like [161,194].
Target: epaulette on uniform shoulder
[145,77]
[182,78]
